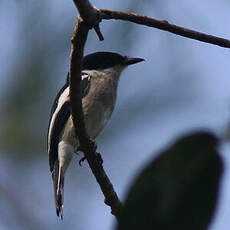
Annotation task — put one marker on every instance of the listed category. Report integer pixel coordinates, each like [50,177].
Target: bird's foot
[81,160]
[97,157]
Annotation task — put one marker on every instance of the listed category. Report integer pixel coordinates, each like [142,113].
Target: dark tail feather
[58,182]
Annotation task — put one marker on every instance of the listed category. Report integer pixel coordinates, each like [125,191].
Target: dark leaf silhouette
[178,190]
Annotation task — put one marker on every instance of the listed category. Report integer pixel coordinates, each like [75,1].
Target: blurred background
[182,86]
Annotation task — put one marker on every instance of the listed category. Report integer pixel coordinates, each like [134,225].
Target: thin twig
[98,32]
[88,146]
[165,25]
[91,15]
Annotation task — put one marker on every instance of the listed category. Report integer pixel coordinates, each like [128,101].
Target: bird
[99,82]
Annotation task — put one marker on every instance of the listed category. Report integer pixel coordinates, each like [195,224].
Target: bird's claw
[98,158]
[81,160]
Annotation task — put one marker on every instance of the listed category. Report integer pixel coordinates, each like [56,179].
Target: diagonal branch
[88,146]
[164,25]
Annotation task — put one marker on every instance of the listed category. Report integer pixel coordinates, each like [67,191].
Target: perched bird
[100,76]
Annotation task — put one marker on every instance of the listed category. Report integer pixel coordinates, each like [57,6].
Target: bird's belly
[68,134]
[96,117]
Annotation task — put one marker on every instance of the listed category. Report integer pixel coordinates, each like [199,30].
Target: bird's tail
[58,182]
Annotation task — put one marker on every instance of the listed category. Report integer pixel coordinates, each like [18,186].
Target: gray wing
[60,113]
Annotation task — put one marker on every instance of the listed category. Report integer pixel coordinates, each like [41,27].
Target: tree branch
[164,25]
[88,146]
[93,17]
[88,13]
[90,17]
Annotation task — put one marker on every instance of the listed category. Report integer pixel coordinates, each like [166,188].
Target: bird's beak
[131,61]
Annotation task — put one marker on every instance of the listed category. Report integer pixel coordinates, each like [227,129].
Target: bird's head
[108,60]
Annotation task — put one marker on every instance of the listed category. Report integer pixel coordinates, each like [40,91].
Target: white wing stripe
[62,99]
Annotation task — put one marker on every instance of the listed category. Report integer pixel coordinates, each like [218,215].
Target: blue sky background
[183,85]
